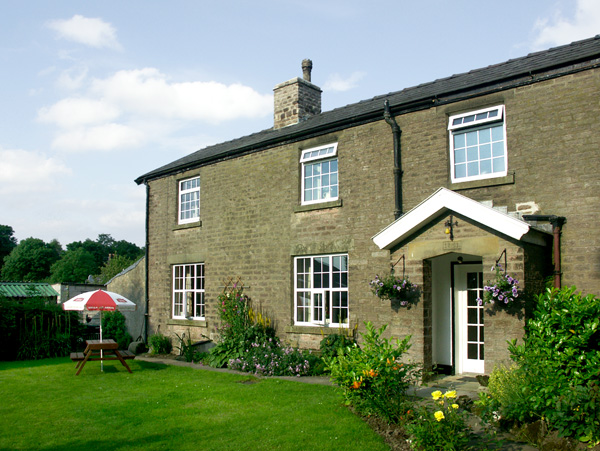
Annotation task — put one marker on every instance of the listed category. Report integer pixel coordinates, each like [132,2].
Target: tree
[127,249]
[30,260]
[98,250]
[114,266]
[74,266]
[105,248]
[7,241]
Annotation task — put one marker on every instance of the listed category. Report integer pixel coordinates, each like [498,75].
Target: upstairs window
[319,174]
[189,200]
[321,291]
[478,145]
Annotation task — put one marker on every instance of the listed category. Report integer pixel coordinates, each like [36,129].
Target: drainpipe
[396,132]
[557,223]
[147,263]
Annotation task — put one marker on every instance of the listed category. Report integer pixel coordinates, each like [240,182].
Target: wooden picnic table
[101,350]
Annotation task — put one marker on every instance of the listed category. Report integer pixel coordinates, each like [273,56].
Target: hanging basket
[394,288]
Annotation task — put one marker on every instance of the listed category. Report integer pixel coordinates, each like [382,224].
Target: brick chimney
[296,99]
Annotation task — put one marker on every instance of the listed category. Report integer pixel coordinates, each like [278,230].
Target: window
[188,291]
[319,174]
[189,200]
[478,144]
[321,292]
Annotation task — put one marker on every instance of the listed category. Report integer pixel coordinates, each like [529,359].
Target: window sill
[190,225]
[315,330]
[319,206]
[187,322]
[506,180]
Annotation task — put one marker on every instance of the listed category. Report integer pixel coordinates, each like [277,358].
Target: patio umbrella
[99,300]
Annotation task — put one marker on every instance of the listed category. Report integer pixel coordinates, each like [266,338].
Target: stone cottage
[438,182]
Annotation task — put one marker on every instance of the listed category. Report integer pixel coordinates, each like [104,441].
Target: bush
[443,427]
[240,326]
[186,347]
[160,344]
[373,377]
[558,366]
[35,329]
[270,358]
[114,326]
[335,344]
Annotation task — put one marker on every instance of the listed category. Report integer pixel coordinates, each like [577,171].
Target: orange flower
[356,385]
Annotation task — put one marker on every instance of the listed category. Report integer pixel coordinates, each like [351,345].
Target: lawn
[44,406]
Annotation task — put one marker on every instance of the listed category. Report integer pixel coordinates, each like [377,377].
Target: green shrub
[268,357]
[114,326]
[160,344]
[441,427]
[335,344]
[558,366]
[373,377]
[186,347]
[240,327]
[36,329]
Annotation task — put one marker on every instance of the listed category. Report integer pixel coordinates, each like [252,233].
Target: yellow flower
[455,406]
[450,394]
[439,415]
[436,395]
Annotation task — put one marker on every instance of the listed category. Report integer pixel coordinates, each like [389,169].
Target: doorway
[469,335]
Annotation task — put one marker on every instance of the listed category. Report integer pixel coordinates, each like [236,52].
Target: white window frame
[321,316]
[181,192]
[309,157]
[466,122]
[188,301]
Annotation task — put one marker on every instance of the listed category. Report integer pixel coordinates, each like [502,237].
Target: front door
[469,329]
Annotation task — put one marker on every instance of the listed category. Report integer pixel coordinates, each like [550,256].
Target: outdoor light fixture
[450,227]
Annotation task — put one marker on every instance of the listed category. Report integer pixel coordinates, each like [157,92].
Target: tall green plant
[240,326]
[35,329]
[373,377]
[114,326]
[559,364]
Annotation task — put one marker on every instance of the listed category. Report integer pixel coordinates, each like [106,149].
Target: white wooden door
[469,328]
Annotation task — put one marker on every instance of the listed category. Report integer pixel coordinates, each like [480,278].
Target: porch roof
[445,201]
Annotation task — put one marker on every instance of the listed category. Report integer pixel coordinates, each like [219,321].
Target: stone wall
[252,223]
[131,284]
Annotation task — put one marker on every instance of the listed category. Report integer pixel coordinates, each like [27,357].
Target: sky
[95,94]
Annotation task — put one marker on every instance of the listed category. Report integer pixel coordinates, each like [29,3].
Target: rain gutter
[398,173]
[147,263]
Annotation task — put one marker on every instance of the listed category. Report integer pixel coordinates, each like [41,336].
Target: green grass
[44,406]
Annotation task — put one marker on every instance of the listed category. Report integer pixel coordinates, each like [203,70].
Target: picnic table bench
[101,350]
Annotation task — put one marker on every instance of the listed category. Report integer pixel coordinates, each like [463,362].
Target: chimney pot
[296,99]
[306,69]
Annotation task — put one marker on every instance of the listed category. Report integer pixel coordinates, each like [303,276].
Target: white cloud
[336,82]
[72,79]
[102,137]
[133,107]
[561,30]
[148,92]
[73,112]
[93,32]
[26,172]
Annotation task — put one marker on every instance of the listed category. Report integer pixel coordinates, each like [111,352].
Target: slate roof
[529,69]
[26,290]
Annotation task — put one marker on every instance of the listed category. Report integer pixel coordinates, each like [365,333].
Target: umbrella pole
[101,352]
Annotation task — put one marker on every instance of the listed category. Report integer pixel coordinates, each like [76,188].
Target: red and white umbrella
[99,300]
